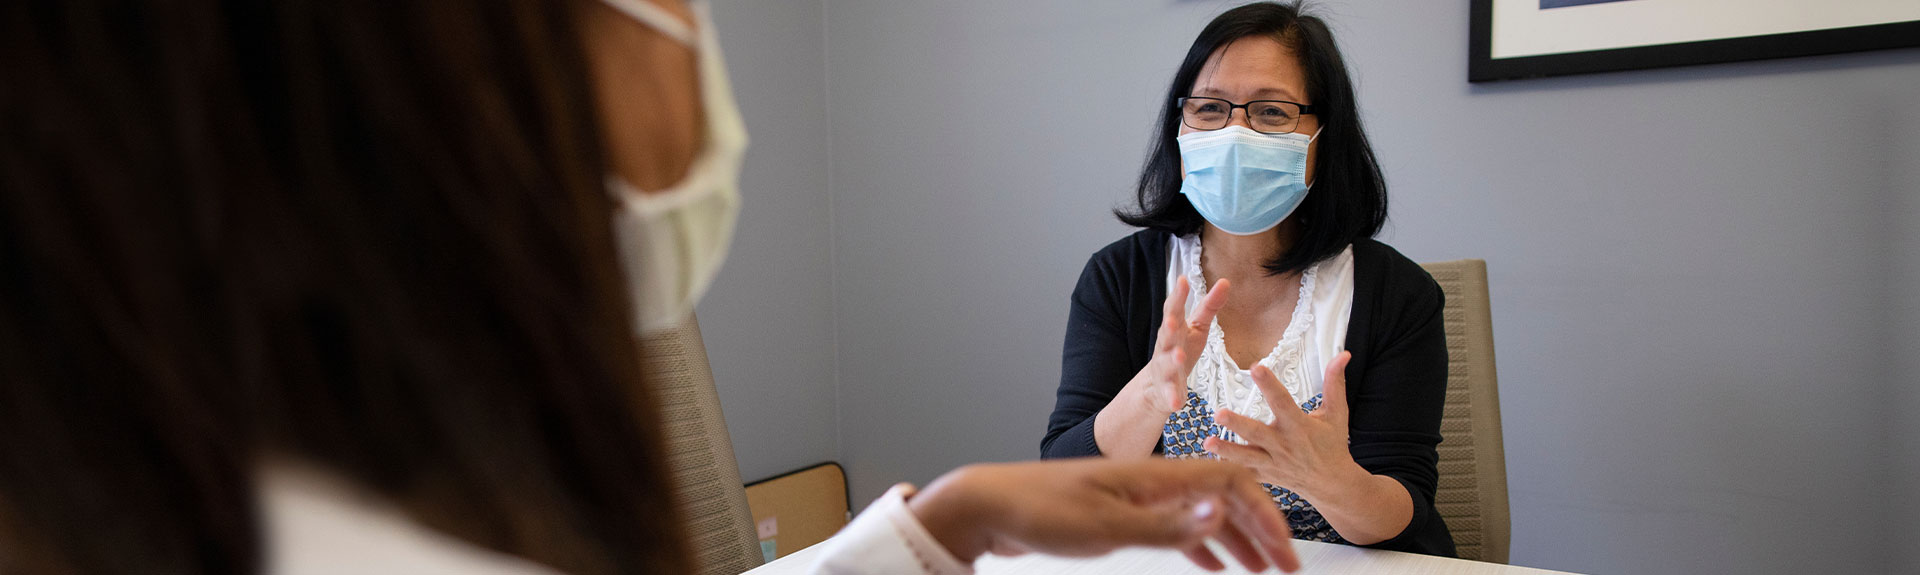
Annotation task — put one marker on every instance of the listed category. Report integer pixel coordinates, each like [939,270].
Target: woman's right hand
[1131,423]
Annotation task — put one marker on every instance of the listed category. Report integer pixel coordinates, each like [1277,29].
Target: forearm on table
[1365,508]
[954,518]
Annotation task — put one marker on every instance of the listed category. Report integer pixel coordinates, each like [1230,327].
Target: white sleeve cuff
[887,538]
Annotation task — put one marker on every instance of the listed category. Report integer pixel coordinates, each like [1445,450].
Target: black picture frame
[1482,67]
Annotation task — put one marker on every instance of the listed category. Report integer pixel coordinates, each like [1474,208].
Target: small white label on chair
[769,527]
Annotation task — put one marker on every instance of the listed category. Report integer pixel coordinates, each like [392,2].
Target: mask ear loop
[1316,136]
[657,17]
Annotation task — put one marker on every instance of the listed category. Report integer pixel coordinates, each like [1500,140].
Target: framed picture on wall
[1513,39]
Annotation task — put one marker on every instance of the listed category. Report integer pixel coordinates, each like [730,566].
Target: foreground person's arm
[1073,508]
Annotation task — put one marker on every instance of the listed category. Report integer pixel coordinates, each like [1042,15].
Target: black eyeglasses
[1264,116]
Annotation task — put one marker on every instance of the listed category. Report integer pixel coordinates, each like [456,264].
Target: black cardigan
[1396,382]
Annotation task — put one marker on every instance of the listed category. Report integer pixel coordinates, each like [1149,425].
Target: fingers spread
[1200,555]
[1215,299]
[1257,434]
[1281,553]
[1161,524]
[1173,316]
[1334,402]
[1242,549]
[1252,512]
[1234,452]
[1244,503]
[1285,412]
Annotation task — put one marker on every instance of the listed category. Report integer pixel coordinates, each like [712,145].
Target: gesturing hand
[1089,507]
[1163,383]
[1298,451]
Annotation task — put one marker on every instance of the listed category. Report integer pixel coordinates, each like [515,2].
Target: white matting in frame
[1541,27]
[1511,39]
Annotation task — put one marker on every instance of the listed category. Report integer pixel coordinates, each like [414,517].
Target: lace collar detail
[1218,380]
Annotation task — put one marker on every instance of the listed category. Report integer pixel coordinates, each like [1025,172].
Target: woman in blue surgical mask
[1254,319]
[353,287]
[674,231]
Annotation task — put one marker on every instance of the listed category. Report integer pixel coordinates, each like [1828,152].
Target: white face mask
[672,242]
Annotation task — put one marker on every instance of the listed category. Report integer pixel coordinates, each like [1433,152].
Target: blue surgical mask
[1242,181]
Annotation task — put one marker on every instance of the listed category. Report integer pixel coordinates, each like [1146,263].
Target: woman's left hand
[1299,451]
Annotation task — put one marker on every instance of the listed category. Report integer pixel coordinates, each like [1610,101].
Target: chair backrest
[1472,494]
[799,508]
[708,491]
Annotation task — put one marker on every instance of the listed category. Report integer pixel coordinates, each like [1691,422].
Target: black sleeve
[1396,408]
[1094,365]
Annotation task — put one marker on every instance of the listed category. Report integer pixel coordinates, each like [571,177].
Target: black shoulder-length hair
[367,236]
[1349,197]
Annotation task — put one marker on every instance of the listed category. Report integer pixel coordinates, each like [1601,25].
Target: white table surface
[1314,558]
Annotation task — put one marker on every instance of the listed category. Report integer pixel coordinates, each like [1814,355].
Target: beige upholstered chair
[1472,494]
[709,493]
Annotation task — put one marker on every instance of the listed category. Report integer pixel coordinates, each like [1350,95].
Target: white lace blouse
[1317,333]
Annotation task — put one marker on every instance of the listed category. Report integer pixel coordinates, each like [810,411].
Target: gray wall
[975,157]
[1703,293]
[768,321]
[1691,268]
[1903,341]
